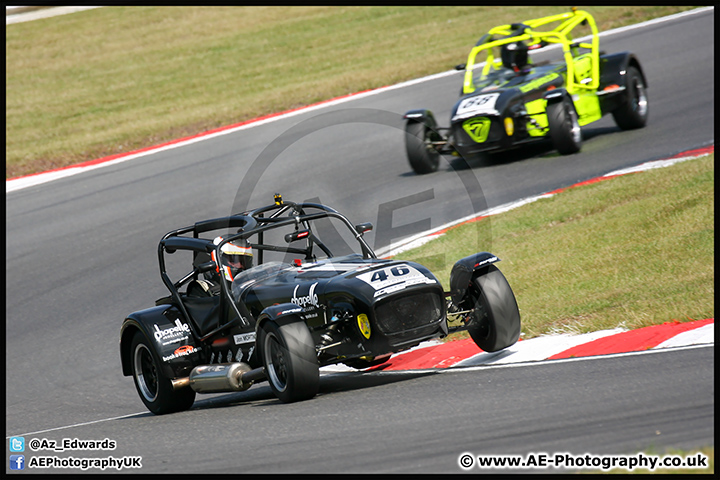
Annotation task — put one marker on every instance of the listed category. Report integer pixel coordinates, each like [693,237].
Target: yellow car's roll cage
[532,36]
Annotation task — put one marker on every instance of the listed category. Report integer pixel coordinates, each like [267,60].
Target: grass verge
[114,79]
[631,251]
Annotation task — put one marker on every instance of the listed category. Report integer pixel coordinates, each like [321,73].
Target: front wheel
[495,323]
[564,127]
[155,389]
[422,155]
[290,361]
[633,113]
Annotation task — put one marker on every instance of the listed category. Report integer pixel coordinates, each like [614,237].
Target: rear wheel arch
[153,386]
[126,338]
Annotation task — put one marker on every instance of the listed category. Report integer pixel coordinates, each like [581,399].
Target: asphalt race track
[81,254]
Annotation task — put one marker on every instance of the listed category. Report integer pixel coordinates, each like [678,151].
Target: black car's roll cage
[253,222]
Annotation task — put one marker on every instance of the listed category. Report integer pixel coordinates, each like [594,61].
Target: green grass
[630,252]
[115,79]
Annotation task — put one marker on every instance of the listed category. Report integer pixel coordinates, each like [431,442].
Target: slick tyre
[155,390]
[288,355]
[565,130]
[423,157]
[496,320]
[633,113]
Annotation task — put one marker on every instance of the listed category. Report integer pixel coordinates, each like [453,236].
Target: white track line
[698,338]
[21,17]
[37,179]
[706,336]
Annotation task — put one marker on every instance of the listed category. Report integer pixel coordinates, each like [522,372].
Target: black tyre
[154,388]
[633,113]
[496,322]
[290,361]
[423,156]
[564,127]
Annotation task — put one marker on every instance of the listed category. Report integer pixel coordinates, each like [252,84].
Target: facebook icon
[17,462]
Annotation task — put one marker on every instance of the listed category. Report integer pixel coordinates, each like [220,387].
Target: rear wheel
[633,113]
[290,361]
[496,319]
[155,389]
[423,156]
[564,127]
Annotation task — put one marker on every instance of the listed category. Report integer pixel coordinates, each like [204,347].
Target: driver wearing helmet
[235,257]
[514,56]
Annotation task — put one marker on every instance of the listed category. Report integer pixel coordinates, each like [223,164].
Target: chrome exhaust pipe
[225,377]
[178,383]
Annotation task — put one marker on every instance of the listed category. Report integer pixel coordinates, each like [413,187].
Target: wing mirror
[363,227]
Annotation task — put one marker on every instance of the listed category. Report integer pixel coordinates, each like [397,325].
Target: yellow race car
[531,81]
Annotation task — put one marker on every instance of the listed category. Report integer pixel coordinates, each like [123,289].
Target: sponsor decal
[244,338]
[173,334]
[487,260]
[364,325]
[183,351]
[309,300]
[478,128]
[537,83]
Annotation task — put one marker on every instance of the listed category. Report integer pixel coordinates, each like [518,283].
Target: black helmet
[514,55]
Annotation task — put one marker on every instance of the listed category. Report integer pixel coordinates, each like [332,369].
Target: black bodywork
[507,103]
[358,308]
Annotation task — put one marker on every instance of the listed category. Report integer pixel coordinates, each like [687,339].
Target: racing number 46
[382,275]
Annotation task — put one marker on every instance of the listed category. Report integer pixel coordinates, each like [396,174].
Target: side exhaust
[225,377]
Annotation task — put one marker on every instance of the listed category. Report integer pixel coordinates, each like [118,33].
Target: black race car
[508,100]
[255,303]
